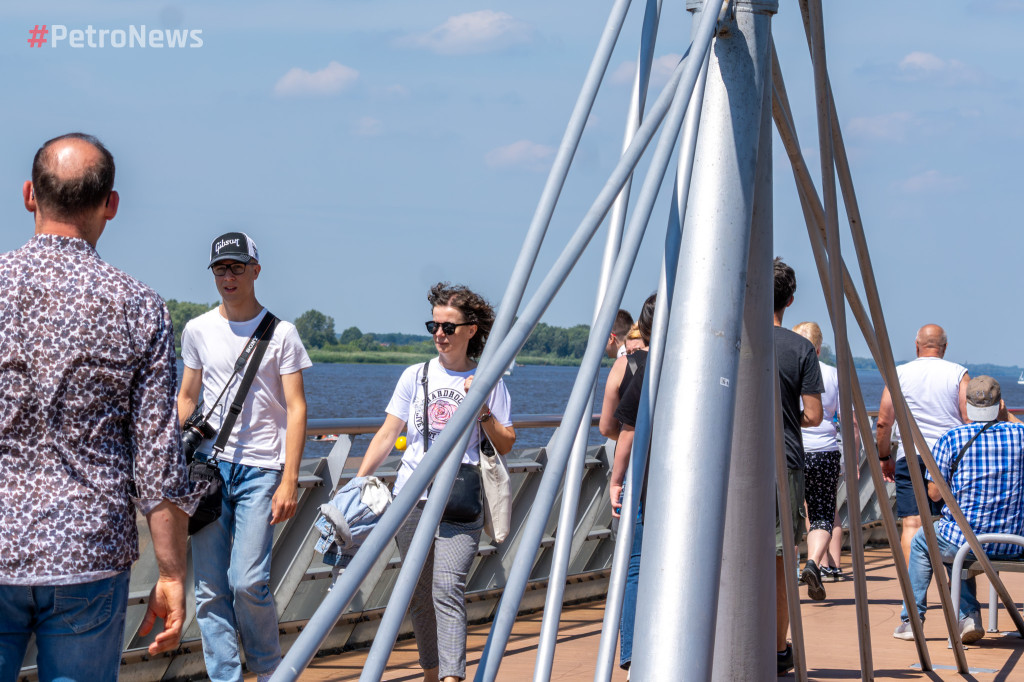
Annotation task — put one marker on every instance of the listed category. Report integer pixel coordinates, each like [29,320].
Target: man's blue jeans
[231,559]
[921,575]
[629,597]
[79,629]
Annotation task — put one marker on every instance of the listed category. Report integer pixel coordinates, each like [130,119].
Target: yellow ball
[400,443]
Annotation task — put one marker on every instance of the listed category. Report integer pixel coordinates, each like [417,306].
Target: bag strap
[426,402]
[255,349]
[956,461]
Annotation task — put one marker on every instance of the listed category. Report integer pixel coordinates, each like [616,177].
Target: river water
[363,390]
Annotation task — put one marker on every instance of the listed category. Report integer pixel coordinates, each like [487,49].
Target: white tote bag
[497,490]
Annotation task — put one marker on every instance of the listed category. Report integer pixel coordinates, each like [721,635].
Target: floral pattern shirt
[88,421]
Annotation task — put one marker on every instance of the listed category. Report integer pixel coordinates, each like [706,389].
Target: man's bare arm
[883,428]
[812,413]
[188,394]
[964,380]
[287,494]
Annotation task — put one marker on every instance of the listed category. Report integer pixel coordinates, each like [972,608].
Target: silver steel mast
[685,520]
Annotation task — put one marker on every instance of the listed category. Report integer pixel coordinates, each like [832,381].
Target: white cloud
[892,127]
[925,66]
[473,33]
[931,181]
[368,127]
[661,70]
[522,154]
[329,80]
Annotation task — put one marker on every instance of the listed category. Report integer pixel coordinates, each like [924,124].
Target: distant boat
[512,365]
[1021,379]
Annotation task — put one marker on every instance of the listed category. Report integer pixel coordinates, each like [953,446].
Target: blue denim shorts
[906,503]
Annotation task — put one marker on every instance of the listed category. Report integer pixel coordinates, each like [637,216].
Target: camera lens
[190,440]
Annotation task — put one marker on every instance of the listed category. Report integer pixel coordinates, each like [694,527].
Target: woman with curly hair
[460,324]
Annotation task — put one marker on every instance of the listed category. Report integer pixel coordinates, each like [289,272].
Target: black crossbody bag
[209,508]
[465,503]
[955,464]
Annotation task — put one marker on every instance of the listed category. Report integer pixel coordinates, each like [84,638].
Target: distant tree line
[546,343]
[182,312]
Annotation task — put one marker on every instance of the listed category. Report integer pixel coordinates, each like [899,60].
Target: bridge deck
[832,648]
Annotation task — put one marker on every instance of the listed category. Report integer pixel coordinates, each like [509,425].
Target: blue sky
[373,148]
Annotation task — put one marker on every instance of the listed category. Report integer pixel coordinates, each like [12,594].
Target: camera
[194,431]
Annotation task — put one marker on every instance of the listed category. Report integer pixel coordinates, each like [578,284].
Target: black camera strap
[254,349]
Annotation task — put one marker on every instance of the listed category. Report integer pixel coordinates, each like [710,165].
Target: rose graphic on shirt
[442,405]
[440,413]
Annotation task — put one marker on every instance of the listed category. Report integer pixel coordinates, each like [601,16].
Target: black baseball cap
[234,246]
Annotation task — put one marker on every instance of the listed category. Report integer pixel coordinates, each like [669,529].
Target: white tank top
[931,387]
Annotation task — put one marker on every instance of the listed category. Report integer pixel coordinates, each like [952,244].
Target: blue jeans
[921,575]
[231,560]
[629,597]
[79,629]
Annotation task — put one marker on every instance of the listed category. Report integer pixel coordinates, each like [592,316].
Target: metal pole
[648,38]
[743,651]
[684,523]
[573,479]
[642,436]
[487,375]
[838,313]
[500,630]
[412,565]
[506,312]
[856,226]
[814,216]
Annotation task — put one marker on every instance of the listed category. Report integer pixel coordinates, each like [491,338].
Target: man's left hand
[285,500]
[166,602]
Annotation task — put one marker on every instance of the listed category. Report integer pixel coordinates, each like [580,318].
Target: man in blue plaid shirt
[983,464]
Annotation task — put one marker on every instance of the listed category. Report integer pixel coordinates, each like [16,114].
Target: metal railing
[300,580]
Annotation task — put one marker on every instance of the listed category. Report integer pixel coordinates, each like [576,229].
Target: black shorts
[906,503]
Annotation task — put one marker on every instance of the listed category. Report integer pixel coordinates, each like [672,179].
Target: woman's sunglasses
[447,327]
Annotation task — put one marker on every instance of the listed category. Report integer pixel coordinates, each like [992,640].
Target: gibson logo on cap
[224,242]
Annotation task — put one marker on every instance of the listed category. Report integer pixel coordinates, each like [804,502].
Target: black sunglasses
[447,327]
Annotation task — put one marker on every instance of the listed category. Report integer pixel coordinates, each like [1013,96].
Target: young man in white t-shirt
[259,463]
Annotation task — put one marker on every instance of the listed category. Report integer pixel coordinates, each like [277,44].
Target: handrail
[355,426]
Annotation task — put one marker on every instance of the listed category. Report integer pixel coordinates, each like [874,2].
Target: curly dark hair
[473,307]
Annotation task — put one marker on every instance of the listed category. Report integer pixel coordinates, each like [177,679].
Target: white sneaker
[904,631]
[970,628]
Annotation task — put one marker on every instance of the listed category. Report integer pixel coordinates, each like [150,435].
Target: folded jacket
[348,518]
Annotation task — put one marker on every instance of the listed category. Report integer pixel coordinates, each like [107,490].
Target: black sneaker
[831,574]
[812,578]
[785,659]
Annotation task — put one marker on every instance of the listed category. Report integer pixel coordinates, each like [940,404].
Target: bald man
[90,431]
[936,394]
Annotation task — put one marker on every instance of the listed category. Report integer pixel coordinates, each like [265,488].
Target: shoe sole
[815,590]
[972,636]
[905,636]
